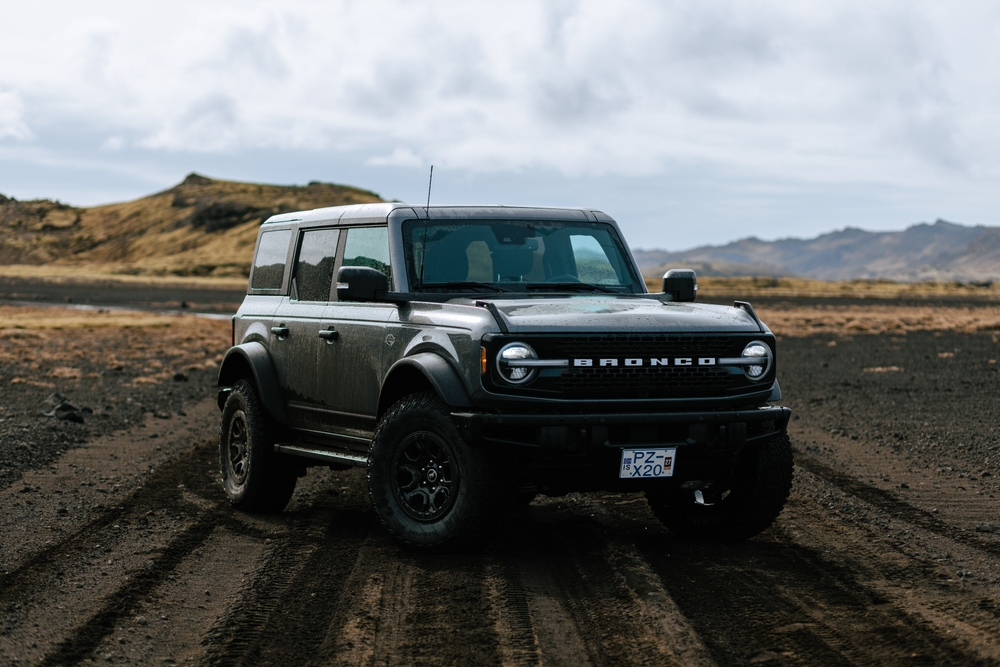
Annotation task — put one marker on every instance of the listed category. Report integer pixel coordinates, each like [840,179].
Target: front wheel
[760,486]
[428,486]
[255,478]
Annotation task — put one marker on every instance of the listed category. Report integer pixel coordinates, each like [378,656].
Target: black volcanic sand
[137,295]
[932,396]
[125,549]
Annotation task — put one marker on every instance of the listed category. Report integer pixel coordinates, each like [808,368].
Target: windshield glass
[530,256]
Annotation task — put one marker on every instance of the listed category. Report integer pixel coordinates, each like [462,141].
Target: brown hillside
[200,227]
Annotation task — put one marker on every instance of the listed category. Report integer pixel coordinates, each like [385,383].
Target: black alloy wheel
[426,476]
[237,444]
[254,477]
[429,487]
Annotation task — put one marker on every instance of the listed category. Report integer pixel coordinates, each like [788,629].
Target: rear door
[267,283]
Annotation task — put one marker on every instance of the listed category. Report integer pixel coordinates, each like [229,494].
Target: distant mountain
[940,251]
[201,226]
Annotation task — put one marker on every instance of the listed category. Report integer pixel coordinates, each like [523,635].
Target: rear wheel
[756,496]
[428,486]
[255,478]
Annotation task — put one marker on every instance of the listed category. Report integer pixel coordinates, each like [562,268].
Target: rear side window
[314,267]
[368,246]
[269,264]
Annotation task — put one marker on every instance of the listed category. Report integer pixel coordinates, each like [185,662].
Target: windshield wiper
[571,287]
[464,285]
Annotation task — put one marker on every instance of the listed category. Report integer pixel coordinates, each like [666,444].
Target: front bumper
[489,427]
[581,452]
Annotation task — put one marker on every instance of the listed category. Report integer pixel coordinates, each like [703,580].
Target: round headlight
[759,351]
[514,363]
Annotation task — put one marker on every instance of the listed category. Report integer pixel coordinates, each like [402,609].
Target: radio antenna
[430,181]
[427,218]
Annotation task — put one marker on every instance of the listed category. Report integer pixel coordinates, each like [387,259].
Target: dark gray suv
[473,357]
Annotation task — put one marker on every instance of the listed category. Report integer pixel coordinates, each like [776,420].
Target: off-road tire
[460,506]
[759,491]
[255,478]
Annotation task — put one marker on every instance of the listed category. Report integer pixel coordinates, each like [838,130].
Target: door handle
[329,335]
[280,332]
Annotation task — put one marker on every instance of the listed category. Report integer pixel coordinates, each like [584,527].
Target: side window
[314,266]
[368,246]
[269,264]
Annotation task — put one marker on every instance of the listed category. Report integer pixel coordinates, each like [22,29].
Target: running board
[357,460]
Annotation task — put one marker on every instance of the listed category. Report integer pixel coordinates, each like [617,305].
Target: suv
[473,357]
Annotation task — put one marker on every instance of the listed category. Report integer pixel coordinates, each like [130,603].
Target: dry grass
[201,227]
[878,318]
[117,273]
[856,289]
[42,345]
[28,321]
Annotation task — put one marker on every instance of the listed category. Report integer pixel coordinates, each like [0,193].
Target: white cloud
[12,123]
[576,86]
[401,157]
[896,93]
[115,143]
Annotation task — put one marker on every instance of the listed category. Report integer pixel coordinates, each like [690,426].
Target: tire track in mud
[778,601]
[590,599]
[296,593]
[404,608]
[446,601]
[518,642]
[893,506]
[123,602]
[163,491]
[159,492]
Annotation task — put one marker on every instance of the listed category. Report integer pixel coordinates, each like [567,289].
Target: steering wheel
[563,278]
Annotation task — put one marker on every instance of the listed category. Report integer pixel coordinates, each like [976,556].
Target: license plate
[646,463]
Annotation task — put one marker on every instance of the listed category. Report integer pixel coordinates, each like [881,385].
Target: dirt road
[124,550]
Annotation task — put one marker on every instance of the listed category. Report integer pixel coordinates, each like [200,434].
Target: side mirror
[681,284]
[361,283]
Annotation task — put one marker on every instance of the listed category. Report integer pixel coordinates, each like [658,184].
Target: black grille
[690,380]
[645,381]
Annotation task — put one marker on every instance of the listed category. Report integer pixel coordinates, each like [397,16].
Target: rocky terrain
[117,545]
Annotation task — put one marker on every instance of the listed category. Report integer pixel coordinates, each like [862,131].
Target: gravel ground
[68,376]
[124,551]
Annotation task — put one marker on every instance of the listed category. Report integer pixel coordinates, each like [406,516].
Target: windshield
[529,256]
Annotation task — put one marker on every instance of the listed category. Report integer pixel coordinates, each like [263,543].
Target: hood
[626,313]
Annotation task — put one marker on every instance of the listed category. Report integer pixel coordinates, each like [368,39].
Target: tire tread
[270,480]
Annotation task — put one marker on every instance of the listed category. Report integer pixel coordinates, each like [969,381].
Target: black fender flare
[441,376]
[255,357]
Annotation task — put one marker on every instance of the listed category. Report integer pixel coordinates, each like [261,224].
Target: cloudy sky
[689,122]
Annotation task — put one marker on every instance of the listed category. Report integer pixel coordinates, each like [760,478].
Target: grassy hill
[200,227]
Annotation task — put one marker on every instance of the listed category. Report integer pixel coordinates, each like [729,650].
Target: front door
[362,338]
[301,352]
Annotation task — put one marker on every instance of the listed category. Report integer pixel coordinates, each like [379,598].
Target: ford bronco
[472,357]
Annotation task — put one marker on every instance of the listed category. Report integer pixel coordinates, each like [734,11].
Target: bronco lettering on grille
[633,362]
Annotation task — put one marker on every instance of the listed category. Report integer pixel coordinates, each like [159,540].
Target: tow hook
[699,498]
